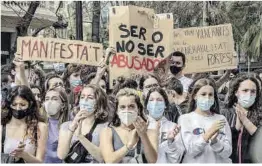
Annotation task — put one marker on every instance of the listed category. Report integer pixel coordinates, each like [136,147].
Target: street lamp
[60,27]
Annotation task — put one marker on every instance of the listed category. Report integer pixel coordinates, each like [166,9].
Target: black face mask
[20,114]
[174,69]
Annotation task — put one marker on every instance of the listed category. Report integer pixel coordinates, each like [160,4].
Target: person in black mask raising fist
[177,64]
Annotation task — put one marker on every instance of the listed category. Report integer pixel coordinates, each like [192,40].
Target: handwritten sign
[59,50]
[141,38]
[206,48]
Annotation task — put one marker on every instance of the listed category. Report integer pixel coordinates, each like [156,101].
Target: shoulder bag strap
[3,137]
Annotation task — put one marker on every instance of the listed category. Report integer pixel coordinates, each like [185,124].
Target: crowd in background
[70,115]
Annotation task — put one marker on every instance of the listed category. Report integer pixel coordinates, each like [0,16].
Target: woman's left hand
[78,131]
[141,126]
[19,151]
[241,113]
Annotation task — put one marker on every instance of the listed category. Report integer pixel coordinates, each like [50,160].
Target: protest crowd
[77,114]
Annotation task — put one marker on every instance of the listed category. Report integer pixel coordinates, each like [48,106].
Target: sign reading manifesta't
[59,50]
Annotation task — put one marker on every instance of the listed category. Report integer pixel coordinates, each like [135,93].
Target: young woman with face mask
[156,105]
[205,133]
[242,112]
[147,82]
[91,118]
[24,132]
[71,76]
[57,109]
[127,136]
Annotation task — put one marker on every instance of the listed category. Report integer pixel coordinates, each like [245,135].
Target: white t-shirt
[185,82]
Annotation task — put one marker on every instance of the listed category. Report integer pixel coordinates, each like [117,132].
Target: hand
[19,151]
[110,51]
[79,116]
[241,113]
[214,138]
[141,126]
[101,70]
[19,64]
[133,139]
[216,126]
[173,133]
[78,131]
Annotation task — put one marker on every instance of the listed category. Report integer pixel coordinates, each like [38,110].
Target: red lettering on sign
[122,61]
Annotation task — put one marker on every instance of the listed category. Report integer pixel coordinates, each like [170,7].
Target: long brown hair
[196,87]
[32,119]
[64,113]
[255,109]
[101,106]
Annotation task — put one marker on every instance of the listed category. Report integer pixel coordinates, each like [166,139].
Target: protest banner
[206,48]
[59,50]
[141,38]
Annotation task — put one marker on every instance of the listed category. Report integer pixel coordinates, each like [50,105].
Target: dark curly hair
[101,107]
[32,119]
[70,69]
[198,84]
[128,83]
[126,92]
[161,92]
[41,76]
[232,98]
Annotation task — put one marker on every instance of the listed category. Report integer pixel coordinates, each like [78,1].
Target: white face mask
[246,101]
[127,117]
[52,107]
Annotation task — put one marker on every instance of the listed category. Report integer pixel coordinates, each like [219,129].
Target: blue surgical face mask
[204,104]
[156,109]
[246,101]
[75,83]
[87,105]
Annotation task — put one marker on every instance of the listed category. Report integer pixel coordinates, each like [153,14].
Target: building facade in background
[11,15]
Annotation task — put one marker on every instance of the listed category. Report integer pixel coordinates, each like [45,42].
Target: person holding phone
[205,133]
[24,134]
[127,138]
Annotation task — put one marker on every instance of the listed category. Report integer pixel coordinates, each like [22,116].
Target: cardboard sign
[206,48]
[59,50]
[141,38]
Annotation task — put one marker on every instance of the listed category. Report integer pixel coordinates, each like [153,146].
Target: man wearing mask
[177,64]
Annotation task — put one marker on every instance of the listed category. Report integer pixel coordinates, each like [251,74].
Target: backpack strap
[3,137]
[36,135]
[89,135]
